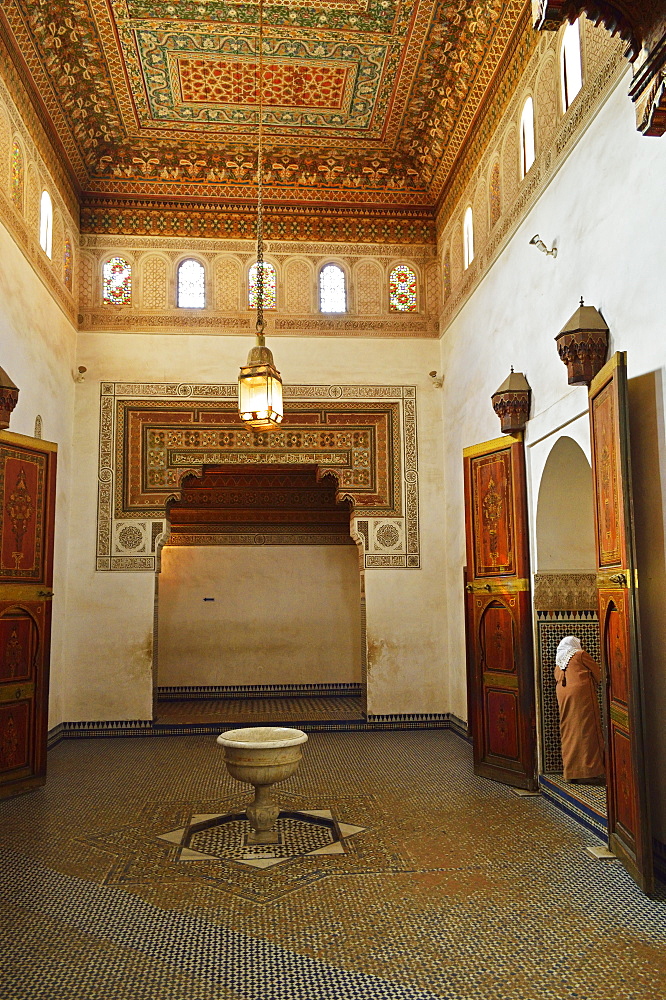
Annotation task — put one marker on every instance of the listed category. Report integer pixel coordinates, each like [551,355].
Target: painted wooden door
[498,613]
[628,814]
[27,506]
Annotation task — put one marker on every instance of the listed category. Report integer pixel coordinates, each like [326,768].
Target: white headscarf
[566,649]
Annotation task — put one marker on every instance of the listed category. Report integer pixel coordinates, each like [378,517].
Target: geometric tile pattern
[428,902]
[256,711]
[552,627]
[152,435]
[305,833]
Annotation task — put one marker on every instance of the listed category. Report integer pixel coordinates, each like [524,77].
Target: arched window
[332,289]
[270,284]
[117,281]
[191,285]
[402,289]
[18,175]
[571,67]
[46,223]
[468,237]
[527,137]
[67,264]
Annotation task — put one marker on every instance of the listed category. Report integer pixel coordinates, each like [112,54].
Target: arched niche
[259,583]
[565,512]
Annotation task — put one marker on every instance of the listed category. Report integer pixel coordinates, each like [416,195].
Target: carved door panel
[27,505]
[628,814]
[498,613]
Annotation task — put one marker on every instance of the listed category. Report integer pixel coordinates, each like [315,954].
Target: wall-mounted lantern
[511,402]
[583,344]
[8,398]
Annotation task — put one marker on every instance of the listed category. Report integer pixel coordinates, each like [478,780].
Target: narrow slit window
[270,286]
[468,238]
[571,64]
[46,223]
[332,289]
[527,152]
[191,285]
[402,289]
[117,282]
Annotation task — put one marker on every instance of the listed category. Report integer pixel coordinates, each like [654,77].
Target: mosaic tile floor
[258,711]
[591,795]
[454,889]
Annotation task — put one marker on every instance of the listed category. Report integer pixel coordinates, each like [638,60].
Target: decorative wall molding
[205,693]
[556,136]
[565,592]
[365,435]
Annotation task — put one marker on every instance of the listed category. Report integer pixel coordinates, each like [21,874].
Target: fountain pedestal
[262,757]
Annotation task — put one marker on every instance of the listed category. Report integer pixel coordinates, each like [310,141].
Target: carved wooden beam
[642,25]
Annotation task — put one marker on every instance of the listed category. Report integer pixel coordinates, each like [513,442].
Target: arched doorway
[565,602]
[259,589]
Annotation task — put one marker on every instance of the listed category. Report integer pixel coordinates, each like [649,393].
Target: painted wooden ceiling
[365,101]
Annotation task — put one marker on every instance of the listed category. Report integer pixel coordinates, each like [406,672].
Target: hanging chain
[260,232]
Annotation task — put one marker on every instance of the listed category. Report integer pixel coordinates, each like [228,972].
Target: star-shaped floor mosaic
[224,836]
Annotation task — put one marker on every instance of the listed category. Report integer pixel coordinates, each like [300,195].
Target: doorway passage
[259,601]
[565,603]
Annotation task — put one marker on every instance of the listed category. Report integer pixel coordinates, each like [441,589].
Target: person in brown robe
[576,676]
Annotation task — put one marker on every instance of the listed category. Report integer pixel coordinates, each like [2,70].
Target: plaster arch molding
[480,210]
[510,163]
[34,193]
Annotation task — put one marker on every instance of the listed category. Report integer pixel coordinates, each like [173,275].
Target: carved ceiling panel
[364,100]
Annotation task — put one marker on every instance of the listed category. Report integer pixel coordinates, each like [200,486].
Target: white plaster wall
[606,212]
[279,614]
[110,627]
[37,350]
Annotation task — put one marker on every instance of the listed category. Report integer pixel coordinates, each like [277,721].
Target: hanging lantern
[259,382]
[260,389]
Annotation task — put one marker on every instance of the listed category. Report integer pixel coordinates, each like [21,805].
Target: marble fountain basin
[262,756]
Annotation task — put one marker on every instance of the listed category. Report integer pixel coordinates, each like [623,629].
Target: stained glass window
[527,137]
[46,223]
[402,289]
[117,274]
[269,285]
[17,175]
[191,285]
[332,290]
[67,264]
[570,64]
[468,238]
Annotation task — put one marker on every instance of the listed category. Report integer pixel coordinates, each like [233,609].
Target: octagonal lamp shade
[260,390]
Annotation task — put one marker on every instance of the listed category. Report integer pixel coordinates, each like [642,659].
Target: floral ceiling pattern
[365,101]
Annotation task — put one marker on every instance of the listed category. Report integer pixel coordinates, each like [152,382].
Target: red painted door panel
[498,613]
[27,505]
[628,814]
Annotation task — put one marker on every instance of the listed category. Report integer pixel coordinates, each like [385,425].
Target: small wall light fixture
[540,245]
[437,380]
[79,373]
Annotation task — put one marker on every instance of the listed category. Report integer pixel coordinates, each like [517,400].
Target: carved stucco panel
[154,282]
[369,280]
[298,281]
[227,284]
